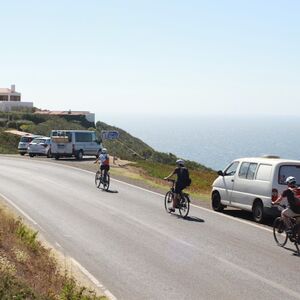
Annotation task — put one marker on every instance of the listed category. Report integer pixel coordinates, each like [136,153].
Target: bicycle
[102,182]
[281,233]
[184,202]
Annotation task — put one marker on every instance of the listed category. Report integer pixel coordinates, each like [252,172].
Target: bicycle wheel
[279,232]
[297,237]
[168,201]
[98,179]
[184,206]
[106,183]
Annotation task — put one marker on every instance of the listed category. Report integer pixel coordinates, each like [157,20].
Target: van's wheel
[31,155]
[22,154]
[79,155]
[216,202]
[258,211]
[57,157]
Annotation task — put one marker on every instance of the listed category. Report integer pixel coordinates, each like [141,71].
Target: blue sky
[195,57]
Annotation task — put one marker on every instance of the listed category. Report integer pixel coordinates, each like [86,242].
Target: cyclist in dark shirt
[292,210]
[182,174]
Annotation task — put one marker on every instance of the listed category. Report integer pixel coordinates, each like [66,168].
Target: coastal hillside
[126,147]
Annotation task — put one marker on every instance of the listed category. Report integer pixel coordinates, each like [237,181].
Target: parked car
[252,183]
[24,142]
[40,146]
[77,143]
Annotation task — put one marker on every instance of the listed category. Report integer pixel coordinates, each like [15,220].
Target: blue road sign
[109,135]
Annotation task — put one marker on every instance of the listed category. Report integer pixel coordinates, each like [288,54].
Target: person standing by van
[104,162]
[183,180]
[292,210]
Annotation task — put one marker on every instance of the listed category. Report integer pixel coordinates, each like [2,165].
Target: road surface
[126,240]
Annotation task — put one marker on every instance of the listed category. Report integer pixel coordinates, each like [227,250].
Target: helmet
[103,150]
[180,162]
[290,180]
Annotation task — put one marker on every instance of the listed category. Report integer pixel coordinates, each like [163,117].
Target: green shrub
[71,291]
[8,142]
[27,235]
[11,288]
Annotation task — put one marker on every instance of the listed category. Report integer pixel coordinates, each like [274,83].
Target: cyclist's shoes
[289,231]
[171,209]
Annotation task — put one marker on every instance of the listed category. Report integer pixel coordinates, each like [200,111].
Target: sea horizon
[214,140]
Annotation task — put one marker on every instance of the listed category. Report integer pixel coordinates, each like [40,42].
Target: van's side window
[83,136]
[247,170]
[244,169]
[264,172]
[230,171]
[251,171]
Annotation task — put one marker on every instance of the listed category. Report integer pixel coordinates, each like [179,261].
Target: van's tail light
[274,194]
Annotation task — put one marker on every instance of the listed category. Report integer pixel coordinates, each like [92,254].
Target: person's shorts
[178,188]
[104,168]
[289,213]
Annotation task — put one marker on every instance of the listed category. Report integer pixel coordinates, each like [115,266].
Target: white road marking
[19,209]
[94,280]
[58,245]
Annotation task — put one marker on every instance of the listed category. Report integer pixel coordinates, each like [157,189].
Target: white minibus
[252,183]
[77,143]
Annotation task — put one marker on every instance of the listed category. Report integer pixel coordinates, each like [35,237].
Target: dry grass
[28,270]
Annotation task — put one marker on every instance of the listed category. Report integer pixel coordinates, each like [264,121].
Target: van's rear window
[289,170]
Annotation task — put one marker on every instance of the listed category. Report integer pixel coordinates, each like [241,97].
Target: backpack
[187,181]
[296,192]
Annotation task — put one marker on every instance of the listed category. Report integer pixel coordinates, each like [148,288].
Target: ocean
[215,140]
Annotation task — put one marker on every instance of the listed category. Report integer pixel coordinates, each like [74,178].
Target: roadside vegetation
[29,271]
[8,142]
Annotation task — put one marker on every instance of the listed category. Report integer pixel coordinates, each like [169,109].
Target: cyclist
[292,210]
[181,183]
[104,162]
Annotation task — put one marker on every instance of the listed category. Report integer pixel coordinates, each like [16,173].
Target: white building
[10,99]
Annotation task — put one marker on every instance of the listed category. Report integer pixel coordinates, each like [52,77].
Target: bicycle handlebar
[170,180]
[278,204]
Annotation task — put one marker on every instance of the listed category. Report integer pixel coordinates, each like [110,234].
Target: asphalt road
[127,241]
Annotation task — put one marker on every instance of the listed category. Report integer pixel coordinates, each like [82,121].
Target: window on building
[3,98]
[15,98]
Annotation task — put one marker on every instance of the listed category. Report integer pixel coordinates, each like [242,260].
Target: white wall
[7,105]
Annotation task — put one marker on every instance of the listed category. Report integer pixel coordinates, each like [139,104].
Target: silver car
[24,142]
[40,146]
